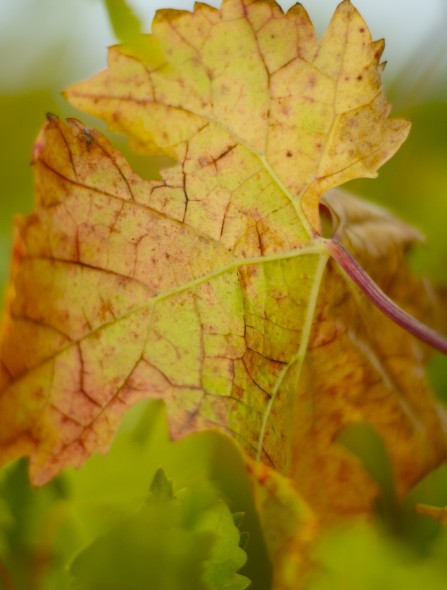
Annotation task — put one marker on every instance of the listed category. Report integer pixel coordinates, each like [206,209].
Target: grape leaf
[252,86]
[43,532]
[184,540]
[227,557]
[211,288]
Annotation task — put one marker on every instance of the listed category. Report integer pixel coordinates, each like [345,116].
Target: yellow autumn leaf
[302,115]
[211,288]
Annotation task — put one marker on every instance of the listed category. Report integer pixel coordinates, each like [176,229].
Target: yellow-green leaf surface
[251,86]
[210,288]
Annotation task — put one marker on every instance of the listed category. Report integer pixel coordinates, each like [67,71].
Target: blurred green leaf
[161,486]
[127,28]
[400,517]
[36,538]
[365,442]
[227,555]
[53,522]
[363,557]
[422,531]
[184,541]
[107,489]
[126,25]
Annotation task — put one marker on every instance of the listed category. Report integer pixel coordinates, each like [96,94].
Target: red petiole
[382,301]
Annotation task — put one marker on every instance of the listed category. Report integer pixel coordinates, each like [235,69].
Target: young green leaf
[161,486]
[227,556]
[126,25]
[128,30]
[181,541]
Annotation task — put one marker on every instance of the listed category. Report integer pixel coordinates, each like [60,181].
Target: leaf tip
[161,486]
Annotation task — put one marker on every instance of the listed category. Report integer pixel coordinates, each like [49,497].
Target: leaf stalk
[386,305]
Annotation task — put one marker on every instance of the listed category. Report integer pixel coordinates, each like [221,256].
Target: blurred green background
[45,45]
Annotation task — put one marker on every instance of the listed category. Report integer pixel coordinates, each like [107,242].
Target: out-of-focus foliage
[40,530]
[365,557]
[196,545]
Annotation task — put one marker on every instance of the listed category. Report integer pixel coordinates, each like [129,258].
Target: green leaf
[363,440]
[422,531]
[36,539]
[126,25]
[108,488]
[128,29]
[362,556]
[227,557]
[186,541]
[161,486]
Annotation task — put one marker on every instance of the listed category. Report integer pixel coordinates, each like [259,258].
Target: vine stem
[382,301]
